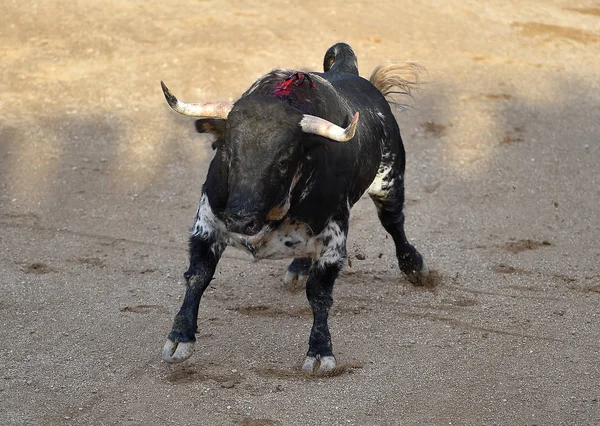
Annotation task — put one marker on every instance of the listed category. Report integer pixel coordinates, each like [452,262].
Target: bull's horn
[206,109]
[322,127]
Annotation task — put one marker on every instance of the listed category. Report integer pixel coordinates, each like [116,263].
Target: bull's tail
[397,79]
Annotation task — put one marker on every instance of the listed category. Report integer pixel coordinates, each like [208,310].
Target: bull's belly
[286,241]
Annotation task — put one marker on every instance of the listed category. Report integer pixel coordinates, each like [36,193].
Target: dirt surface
[99,183]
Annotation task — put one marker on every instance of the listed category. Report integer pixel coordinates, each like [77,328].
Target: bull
[293,154]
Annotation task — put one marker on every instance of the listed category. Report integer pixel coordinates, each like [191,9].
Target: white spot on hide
[382,183]
[205,223]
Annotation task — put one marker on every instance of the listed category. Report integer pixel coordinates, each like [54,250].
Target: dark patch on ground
[268,311]
[144,309]
[594,11]
[514,136]
[354,310]
[552,32]
[525,288]
[281,373]
[565,278]
[92,261]
[19,219]
[435,129]
[473,327]
[185,374]
[141,271]
[523,245]
[510,139]
[434,280]
[369,276]
[495,96]
[464,302]
[501,268]
[38,268]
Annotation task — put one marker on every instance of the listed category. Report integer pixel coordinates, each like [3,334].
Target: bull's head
[263,146]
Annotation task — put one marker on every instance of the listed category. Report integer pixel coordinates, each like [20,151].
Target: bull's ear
[212,125]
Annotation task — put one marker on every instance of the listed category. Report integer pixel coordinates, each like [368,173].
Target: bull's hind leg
[387,192]
[297,272]
[319,289]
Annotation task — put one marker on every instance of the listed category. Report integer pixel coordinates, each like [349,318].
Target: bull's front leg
[319,289]
[205,251]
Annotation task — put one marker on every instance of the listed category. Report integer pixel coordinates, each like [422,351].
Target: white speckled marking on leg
[335,251]
[205,222]
[380,186]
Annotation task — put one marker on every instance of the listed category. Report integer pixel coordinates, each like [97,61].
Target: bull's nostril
[251,225]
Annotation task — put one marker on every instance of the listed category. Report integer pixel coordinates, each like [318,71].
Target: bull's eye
[281,167]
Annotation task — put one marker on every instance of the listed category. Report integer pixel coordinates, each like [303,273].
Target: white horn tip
[320,126]
[351,129]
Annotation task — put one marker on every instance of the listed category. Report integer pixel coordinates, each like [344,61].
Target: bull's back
[376,126]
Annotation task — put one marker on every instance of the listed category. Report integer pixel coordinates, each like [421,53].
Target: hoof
[327,364]
[294,280]
[322,365]
[297,274]
[420,278]
[309,364]
[174,352]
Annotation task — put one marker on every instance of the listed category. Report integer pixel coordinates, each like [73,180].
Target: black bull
[283,181]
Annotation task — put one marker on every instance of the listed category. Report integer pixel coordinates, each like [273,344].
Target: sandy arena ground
[99,182]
